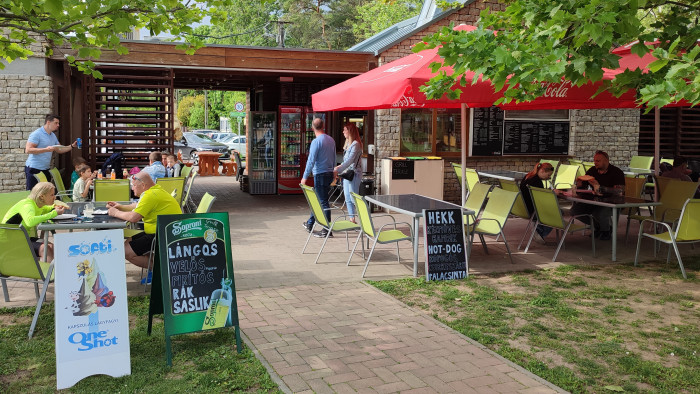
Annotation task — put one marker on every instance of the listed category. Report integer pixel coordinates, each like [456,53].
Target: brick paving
[350,337]
[320,328]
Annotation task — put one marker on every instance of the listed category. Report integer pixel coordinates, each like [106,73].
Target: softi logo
[180,227]
[85,248]
[90,340]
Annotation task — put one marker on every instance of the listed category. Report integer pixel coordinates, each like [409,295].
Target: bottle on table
[112,175]
[125,174]
[99,174]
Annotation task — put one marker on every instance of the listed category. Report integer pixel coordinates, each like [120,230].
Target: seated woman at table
[81,189]
[534,178]
[33,210]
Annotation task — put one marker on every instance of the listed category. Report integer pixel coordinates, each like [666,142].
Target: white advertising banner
[92,320]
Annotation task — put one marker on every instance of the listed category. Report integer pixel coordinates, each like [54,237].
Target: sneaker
[307,226]
[322,234]
[604,235]
[148,279]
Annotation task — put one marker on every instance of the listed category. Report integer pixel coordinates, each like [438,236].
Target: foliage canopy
[545,41]
[88,27]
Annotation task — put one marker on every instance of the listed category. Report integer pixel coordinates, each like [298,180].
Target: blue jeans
[322,187]
[351,186]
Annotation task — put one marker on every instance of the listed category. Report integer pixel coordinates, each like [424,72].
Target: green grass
[583,328]
[202,362]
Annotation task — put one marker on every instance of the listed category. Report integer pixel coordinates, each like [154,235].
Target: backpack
[113,162]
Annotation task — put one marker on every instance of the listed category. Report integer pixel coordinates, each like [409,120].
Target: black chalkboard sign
[487,131]
[193,283]
[445,254]
[402,169]
[535,137]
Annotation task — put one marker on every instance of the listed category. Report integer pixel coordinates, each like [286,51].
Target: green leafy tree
[244,22]
[545,41]
[88,27]
[375,16]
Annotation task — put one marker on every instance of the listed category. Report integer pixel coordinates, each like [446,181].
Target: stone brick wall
[467,15]
[24,101]
[615,131]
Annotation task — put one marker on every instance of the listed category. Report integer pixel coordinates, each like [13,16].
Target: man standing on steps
[321,162]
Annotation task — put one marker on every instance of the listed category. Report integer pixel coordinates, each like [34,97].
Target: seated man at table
[154,201]
[155,168]
[603,177]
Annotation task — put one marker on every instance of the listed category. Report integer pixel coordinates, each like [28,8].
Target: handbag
[349,172]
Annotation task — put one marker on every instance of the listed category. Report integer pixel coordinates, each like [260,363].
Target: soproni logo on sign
[86,248]
[90,340]
[180,227]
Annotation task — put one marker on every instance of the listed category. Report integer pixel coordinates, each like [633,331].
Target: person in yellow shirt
[154,201]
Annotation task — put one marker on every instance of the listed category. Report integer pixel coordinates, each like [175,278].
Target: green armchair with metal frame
[19,262]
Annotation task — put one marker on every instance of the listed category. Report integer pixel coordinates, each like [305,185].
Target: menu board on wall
[535,137]
[487,132]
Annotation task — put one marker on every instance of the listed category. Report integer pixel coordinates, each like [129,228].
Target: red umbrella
[397,85]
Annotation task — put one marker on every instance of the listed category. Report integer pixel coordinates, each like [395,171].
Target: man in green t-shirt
[154,201]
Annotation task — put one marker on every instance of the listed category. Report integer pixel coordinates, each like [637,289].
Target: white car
[236,142]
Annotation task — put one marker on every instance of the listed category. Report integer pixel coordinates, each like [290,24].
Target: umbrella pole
[463,127]
[657,154]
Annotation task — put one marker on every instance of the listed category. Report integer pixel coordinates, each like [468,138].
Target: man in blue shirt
[155,169]
[41,144]
[321,162]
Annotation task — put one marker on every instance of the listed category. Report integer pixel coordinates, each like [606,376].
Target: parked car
[237,142]
[215,135]
[193,143]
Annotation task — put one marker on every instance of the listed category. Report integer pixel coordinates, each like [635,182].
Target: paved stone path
[350,337]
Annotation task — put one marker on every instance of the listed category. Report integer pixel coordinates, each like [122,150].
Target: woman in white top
[352,158]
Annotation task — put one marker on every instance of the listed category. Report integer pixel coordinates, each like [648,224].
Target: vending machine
[291,150]
[262,146]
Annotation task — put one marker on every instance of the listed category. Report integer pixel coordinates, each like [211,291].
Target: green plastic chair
[187,203]
[674,194]
[686,231]
[643,162]
[337,225]
[112,190]
[18,262]
[175,184]
[472,176]
[667,161]
[519,207]
[578,163]
[475,200]
[548,214]
[587,166]
[494,216]
[205,203]
[380,236]
[185,171]
[566,176]
[61,192]
[7,200]
[555,165]
[41,177]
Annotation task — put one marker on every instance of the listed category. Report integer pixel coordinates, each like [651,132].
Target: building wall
[467,15]
[614,130]
[24,102]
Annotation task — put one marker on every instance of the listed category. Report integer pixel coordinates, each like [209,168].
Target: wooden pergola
[132,108]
